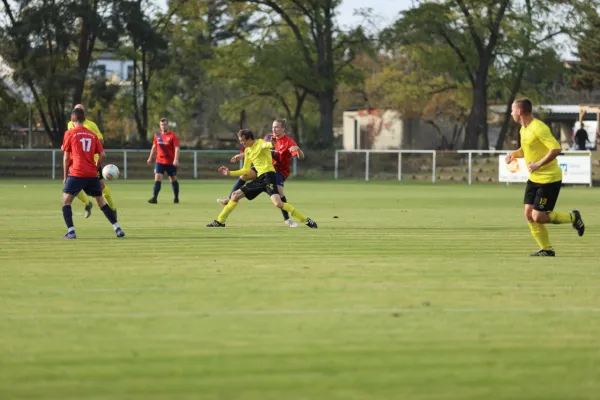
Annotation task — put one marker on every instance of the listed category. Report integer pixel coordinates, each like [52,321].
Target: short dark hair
[79,115]
[246,134]
[524,104]
[164,119]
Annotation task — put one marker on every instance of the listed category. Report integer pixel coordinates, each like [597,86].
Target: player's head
[279,127]
[79,107]
[164,124]
[77,116]
[521,107]
[246,137]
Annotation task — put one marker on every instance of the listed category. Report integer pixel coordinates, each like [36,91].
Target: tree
[471,29]
[528,53]
[325,50]
[38,42]
[148,48]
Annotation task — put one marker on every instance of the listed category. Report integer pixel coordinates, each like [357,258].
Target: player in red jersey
[167,160]
[80,145]
[284,148]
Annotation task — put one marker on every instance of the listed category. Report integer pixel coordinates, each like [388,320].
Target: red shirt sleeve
[66,147]
[175,141]
[154,141]
[99,147]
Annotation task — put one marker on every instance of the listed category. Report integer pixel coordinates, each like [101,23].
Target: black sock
[109,213]
[286,216]
[68,216]
[238,185]
[175,186]
[157,185]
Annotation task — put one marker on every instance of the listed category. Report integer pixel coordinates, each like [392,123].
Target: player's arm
[66,162]
[152,151]
[99,149]
[94,128]
[176,158]
[245,169]
[296,151]
[237,157]
[514,155]
[545,136]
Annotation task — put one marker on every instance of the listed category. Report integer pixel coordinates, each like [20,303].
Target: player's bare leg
[233,202]
[276,199]
[286,216]
[110,215]
[157,185]
[67,200]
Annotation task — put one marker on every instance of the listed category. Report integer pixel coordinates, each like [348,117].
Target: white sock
[71,229]
[116,226]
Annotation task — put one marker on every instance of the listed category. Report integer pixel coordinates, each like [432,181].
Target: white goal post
[399,152]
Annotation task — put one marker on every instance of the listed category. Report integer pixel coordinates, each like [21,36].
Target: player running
[80,147]
[167,160]
[106,192]
[257,152]
[540,149]
[284,149]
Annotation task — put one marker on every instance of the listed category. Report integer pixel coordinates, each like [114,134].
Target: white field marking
[285,312]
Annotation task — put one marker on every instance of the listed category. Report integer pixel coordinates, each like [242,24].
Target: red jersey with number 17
[165,143]
[82,144]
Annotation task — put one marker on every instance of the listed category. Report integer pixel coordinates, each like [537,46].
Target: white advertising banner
[576,170]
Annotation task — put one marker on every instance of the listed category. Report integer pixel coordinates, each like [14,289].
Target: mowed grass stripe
[413,291]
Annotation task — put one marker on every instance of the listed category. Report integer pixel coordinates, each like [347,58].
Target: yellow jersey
[536,142]
[90,125]
[259,155]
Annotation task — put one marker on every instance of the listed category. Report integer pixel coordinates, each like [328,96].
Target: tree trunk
[326,106]
[87,40]
[507,117]
[477,121]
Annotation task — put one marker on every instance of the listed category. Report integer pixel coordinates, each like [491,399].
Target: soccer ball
[110,172]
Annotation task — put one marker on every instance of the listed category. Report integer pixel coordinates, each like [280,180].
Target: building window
[100,71]
[130,72]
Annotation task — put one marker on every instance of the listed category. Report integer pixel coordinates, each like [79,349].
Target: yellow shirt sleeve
[91,125]
[245,169]
[267,145]
[545,136]
[70,125]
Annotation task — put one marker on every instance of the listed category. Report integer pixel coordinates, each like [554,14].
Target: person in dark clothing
[581,138]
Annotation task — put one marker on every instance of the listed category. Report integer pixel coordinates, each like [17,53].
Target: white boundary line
[285,312]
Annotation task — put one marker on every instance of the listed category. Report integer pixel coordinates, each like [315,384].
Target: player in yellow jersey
[540,149]
[106,192]
[257,152]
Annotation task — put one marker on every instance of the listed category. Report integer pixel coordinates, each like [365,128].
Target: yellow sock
[107,194]
[557,217]
[226,211]
[83,197]
[294,213]
[540,234]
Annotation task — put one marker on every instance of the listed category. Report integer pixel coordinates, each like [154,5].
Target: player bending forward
[80,146]
[257,152]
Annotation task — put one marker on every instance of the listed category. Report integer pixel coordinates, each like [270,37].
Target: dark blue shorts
[91,186]
[159,168]
[280,179]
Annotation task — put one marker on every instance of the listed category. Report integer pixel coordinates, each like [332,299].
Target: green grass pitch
[413,292]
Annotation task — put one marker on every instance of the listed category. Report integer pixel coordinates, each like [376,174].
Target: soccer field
[404,292]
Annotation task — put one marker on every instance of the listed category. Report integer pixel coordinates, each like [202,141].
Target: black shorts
[100,172]
[542,196]
[159,168]
[90,186]
[265,183]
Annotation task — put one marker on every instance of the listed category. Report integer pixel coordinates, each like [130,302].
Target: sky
[385,10]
